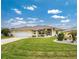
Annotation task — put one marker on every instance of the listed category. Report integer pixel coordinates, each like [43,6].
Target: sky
[56,13]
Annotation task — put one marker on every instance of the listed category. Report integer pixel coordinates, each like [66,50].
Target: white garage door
[22,34]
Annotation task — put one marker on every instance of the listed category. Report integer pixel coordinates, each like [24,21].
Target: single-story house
[35,31]
[68,34]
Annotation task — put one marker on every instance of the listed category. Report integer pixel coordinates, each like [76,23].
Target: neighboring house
[68,34]
[36,31]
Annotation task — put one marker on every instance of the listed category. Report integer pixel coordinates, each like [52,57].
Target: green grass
[4,37]
[38,48]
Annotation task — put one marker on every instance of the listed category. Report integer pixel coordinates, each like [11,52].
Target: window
[34,32]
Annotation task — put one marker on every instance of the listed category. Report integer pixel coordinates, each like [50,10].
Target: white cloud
[58,17]
[10,20]
[41,20]
[14,20]
[54,11]
[18,23]
[65,21]
[31,21]
[18,18]
[31,24]
[32,8]
[63,25]
[34,19]
[17,11]
[22,22]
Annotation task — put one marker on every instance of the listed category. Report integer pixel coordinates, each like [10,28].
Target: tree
[5,31]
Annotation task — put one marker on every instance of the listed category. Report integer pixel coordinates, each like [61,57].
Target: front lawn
[4,37]
[38,48]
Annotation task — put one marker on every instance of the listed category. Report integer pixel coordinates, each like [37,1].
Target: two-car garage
[22,34]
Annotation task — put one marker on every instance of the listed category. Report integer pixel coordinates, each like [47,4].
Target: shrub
[33,35]
[74,34]
[60,36]
[5,32]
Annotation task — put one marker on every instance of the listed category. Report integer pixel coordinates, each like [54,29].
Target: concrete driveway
[17,36]
[8,40]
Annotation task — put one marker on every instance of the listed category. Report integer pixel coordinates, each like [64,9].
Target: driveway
[17,36]
[66,42]
[4,41]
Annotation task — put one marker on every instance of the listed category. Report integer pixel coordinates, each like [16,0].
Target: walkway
[66,42]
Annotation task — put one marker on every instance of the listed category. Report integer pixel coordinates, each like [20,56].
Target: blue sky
[57,13]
